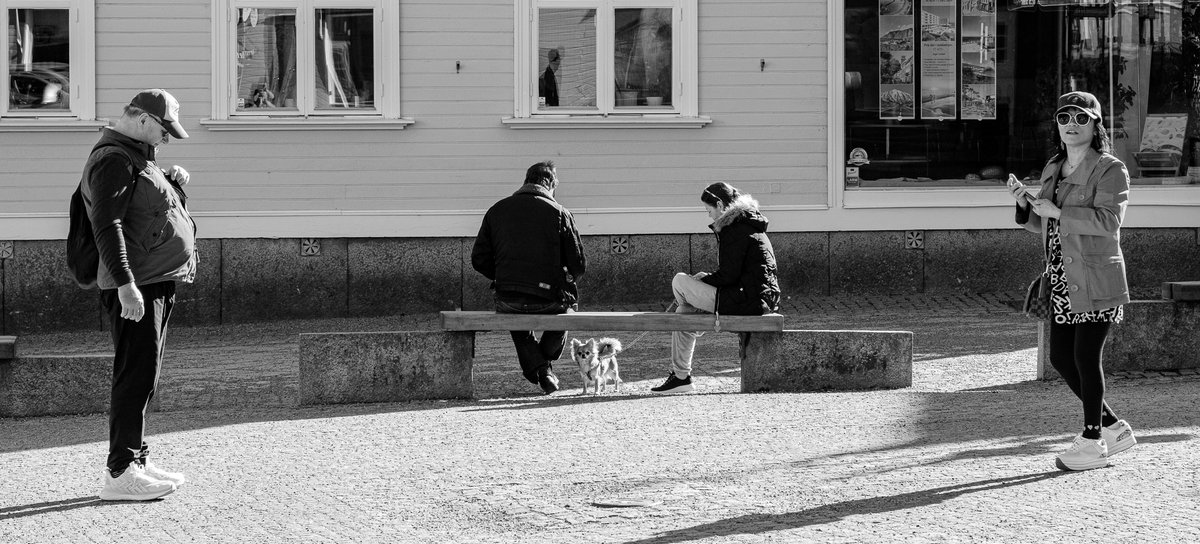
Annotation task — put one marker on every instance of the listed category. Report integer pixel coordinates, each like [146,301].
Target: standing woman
[745,282]
[1079,210]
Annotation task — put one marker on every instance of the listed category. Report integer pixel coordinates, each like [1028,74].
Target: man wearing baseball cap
[146,241]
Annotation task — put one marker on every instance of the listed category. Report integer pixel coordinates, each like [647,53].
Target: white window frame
[684,66]
[386,115]
[82,113]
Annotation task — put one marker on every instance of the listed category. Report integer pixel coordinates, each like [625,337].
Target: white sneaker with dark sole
[1118,436]
[1084,454]
[134,485]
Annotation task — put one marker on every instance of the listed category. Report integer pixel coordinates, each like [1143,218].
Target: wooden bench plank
[607,321]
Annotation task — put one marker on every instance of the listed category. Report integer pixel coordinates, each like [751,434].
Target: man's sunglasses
[1066,118]
[160,122]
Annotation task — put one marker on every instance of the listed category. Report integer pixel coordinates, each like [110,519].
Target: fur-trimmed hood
[744,209]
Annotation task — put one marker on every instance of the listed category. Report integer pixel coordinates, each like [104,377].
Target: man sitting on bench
[529,247]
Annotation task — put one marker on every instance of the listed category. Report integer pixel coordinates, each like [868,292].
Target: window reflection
[566,58]
[39,69]
[345,59]
[266,59]
[642,61]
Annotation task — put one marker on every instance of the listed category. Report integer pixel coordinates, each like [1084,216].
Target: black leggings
[1076,352]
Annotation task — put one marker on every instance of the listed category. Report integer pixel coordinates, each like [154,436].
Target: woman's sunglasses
[1079,118]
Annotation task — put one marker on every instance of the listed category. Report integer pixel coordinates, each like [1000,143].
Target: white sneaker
[1118,436]
[134,485]
[1084,454]
[166,476]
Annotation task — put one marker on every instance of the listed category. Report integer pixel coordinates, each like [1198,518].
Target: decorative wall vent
[914,239]
[310,247]
[619,245]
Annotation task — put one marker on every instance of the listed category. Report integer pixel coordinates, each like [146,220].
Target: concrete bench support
[1155,335]
[822,360]
[55,385]
[385,366]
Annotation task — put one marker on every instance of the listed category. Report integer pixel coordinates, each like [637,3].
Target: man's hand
[699,275]
[178,174]
[132,305]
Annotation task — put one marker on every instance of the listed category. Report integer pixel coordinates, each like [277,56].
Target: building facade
[343,152]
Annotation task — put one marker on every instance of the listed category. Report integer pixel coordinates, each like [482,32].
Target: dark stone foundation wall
[243,280]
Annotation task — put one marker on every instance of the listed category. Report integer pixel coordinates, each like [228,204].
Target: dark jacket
[142,228]
[1093,201]
[528,244]
[746,278]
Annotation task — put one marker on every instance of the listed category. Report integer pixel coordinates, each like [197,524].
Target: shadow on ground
[757,524]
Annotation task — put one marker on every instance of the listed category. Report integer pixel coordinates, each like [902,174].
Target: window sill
[611,121]
[51,125]
[302,123]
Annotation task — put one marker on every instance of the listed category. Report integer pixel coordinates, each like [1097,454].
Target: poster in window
[939,37]
[897,47]
[978,59]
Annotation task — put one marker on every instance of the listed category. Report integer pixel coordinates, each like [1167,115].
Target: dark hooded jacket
[746,278]
[528,245]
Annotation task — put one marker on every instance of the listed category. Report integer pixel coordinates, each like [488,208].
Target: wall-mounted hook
[762,65]
[457,66]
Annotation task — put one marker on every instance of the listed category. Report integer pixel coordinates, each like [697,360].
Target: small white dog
[597,360]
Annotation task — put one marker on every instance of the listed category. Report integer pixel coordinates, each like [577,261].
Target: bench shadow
[26,510]
[757,524]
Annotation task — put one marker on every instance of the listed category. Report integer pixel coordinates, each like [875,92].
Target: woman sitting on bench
[745,282]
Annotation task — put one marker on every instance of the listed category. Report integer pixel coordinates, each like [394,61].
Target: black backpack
[83,258]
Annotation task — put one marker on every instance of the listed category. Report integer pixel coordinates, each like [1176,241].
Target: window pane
[566,58]
[266,59]
[642,64]
[39,62]
[345,59]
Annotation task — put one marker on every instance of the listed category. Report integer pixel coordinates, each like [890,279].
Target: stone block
[199,302]
[340,368]
[477,290]
[40,294]
[8,347]
[391,276]
[1155,335]
[803,261]
[826,360]
[1153,256]
[55,385]
[981,261]
[874,263]
[268,279]
[641,274]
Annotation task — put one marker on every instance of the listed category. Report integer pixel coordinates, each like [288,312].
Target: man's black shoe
[548,382]
[674,385]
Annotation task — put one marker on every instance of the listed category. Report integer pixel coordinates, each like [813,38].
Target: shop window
[307,59]
[960,92]
[599,58]
[46,59]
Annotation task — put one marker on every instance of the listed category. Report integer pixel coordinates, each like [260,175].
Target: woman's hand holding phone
[1018,191]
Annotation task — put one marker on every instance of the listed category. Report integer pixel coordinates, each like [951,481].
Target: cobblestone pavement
[965,455]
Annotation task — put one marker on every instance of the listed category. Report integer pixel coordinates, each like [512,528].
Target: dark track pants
[139,347]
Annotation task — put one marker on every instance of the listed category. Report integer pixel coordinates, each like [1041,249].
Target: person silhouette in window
[547,85]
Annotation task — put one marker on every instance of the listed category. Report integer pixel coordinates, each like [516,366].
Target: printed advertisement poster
[897,48]
[978,100]
[939,65]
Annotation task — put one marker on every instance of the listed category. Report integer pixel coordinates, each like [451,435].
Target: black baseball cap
[1079,99]
[162,105]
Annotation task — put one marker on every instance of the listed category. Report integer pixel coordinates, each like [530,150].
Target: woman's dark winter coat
[746,278]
